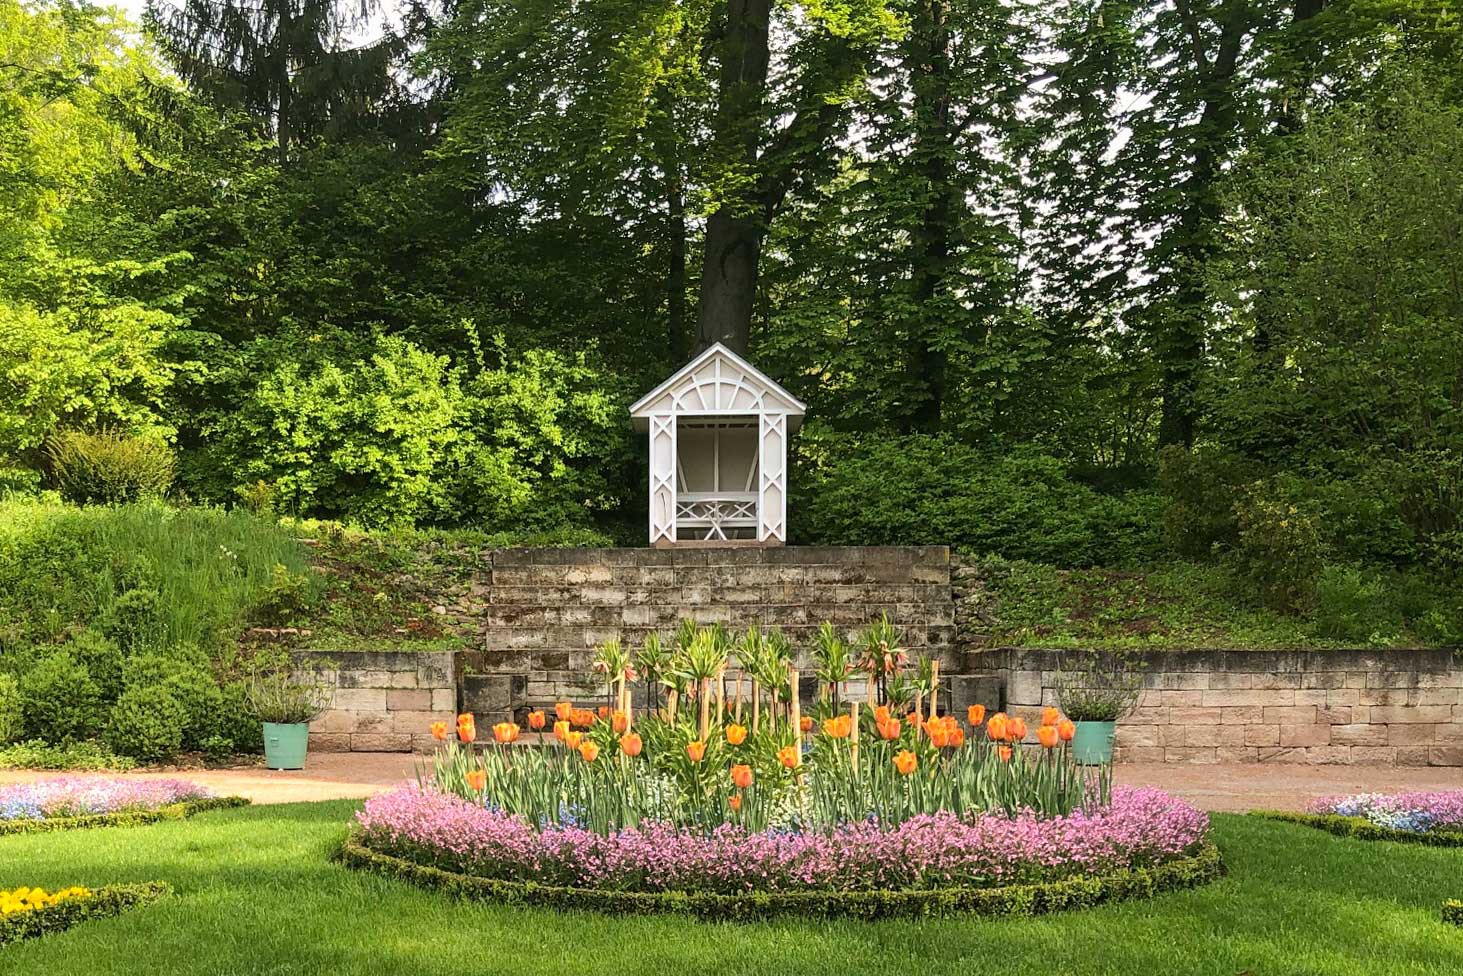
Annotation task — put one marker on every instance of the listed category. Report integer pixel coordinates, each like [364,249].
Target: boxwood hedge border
[104,903]
[122,818]
[1360,828]
[1453,911]
[1010,900]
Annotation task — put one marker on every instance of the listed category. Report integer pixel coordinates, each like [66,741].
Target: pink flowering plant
[1138,828]
[80,796]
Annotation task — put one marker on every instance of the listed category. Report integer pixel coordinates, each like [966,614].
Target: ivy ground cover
[256,892]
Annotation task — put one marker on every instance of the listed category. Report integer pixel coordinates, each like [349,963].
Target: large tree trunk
[929,53]
[735,229]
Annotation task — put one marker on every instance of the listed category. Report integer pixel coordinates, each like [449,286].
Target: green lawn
[256,894]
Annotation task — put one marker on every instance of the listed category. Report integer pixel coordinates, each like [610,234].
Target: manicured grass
[257,893]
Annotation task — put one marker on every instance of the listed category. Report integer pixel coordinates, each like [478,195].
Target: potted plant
[1095,696]
[287,704]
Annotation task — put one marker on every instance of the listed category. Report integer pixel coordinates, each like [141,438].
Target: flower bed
[1143,841]
[29,912]
[67,802]
[1417,817]
[1453,911]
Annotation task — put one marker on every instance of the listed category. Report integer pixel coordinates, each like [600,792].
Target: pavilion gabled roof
[718,381]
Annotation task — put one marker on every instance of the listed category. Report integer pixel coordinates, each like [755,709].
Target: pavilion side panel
[662,478]
[772,479]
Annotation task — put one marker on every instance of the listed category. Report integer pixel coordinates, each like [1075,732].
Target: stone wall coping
[739,556]
[1229,659]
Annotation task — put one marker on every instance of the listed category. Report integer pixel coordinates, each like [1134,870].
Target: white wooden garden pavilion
[718,433]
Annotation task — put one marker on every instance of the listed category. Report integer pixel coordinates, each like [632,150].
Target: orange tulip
[582,717]
[696,750]
[572,739]
[889,729]
[505,732]
[912,719]
[1005,753]
[975,715]
[735,802]
[1066,729]
[604,712]
[805,724]
[906,762]
[561,729]
[939,735]
[736,734]
[788,756]
[466,728]
[631,745]
[563,710]
[589,750]
[1016,730]
[996,727]
[1050,716]
[1047,736]
[741,776]
[881,714]
[536,720]
[477,780]
[439,731]
[619,721]
[957,737]
[838,727]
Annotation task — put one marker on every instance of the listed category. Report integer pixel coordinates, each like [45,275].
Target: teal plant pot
[285,745]
[1092,744]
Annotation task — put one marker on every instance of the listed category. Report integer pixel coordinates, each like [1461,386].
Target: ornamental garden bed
[70,803]
[1434,818]
[26,913]
[738,808]
[1453,911]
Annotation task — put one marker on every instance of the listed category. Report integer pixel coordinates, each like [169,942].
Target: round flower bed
[1418,817]
[65,803]
[29,912]
[1143,841]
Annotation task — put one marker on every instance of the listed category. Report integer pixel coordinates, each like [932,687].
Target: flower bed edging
[1453,911]
[104,903]
[122,818]
[1009,900]
[1359,828]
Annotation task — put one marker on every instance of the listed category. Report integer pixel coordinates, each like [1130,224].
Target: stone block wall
[1392,707]
[548,609]
[385,701]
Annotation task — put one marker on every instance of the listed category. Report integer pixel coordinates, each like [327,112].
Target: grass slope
[257,893]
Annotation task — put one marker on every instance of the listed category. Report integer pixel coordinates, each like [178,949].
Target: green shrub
[1350,605]
[134,620]
[1279,552]
[59,700]
[1200,488]
[36,754]
[108,467]
[103,660]
[923,490]
[12,716]
[991,900]
[188,682]
[103,903]
[1453,911]
[236,720]
[147,723]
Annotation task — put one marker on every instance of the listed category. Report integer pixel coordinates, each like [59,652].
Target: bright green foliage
[12,713]
[59,700]
[39,754]
[933,490]
[146,723]
[108,467]
[188,681]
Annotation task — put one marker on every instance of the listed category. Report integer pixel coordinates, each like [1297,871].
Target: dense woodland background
[1083,283]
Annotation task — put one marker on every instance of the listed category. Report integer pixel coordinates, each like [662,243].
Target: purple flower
[1417,812]
[1140,827]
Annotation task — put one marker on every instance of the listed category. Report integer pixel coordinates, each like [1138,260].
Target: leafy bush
[59,700]
[108,467]
[37,754]
[12,716]
[188,682]
[921,490]
[237,724]
[1279,552]
[1350,605]
[147,723]
[135,619]
[1453,911]
[1199,488]
[103,660]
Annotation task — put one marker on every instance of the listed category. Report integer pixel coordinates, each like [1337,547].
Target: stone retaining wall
[385,701]
[1396,707]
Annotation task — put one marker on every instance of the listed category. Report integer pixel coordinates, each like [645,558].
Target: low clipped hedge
[104,903]
[1453,911]
[122,818]
[1009,900]
[1360,828]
